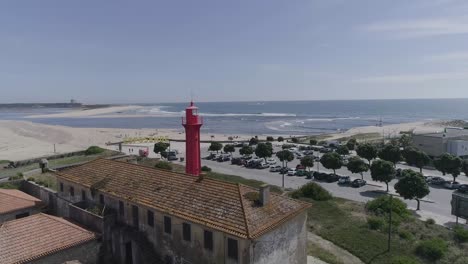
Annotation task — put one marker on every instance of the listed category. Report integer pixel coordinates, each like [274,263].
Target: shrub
[405,235]
[270,138]
[430,221]
[404,260]
[375,223]
[164,165]
[313,191]
[206,169]
[294,140]
[280,139]
[30,179]
[93,150]
[433,249]
[460,234]
[18,176]
[381,206]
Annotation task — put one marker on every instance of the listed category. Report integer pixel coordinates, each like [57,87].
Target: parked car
[317,159]
[332,178]
[284,170]
[210,156]
[263,165]
[223,158]
[300,167]
[291,172]
[398,173]
[463,188]
[301,173]
[271,161]
[428,179]
[452,185]
[275,168]
[320,176]
[358,183]
[236,161]
[248,157]
[344,180]
[325,150]
[438,181]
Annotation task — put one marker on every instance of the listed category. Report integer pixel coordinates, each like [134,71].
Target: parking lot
[436,205]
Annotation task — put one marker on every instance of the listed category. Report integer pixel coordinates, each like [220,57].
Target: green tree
[253,141]
[390,153]
[342,150]
[450,164]
[308,162]
[357,165]
[332,161]
[246,150]
[412,186]
[405,140]
[215,146]
[229,148]
[285,156]
[351,144]
[280,139]
[263,150]
[416,158]
[367,151]
[270,138]
[294,140]
[160,148]
[465,167]
[313,142]
[382,171]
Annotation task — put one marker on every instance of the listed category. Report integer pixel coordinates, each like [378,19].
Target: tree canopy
[412,186]
[270,138]
[246,150]
[308,162]
[280,139]
[416,158]
[160,148]
[229,148]
[351,144]
[285,155]
[357,165]
[342,150]
[215,146]
[450,164]
[331,160]
[253,141]
[367,151]
[313,142]
[382,171]
[390,152]
[405,140]
[263,150]
[465,167]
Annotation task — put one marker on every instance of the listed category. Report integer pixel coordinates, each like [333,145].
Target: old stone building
[186,219]
[16,204]
[41,239]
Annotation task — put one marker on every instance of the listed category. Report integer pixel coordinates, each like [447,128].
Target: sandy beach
[98,112]
[22,140]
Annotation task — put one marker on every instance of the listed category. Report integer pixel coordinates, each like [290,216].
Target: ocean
[265,118]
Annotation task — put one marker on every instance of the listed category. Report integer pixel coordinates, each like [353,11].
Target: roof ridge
[244,214]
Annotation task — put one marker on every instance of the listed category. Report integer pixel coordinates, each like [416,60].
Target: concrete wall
[457,147]
[12,215]
[286,244]
[85,254]
[433,146]
[91,221]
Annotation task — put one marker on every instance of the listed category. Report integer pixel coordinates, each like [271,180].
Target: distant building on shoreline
[452,140]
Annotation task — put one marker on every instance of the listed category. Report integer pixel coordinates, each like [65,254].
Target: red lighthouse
[192,124]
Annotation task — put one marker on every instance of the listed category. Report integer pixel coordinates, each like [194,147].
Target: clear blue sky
[112,51]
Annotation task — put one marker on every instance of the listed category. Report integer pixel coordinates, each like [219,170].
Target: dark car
[210,157]
[236,161]
[284,170]
[398,173]
[344,180]
[438,181]
[300,167]
[358,183]
[325,150]
[301,173]
[332,178]
[463,188]
[320,176]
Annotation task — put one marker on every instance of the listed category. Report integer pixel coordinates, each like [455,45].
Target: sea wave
[332,119]
[159,111]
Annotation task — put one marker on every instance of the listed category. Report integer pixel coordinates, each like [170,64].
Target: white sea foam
[158,111]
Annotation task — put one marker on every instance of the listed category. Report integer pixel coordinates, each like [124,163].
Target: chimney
[264,194]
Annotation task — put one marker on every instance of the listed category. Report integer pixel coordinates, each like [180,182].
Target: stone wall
[286,244]
[12,215]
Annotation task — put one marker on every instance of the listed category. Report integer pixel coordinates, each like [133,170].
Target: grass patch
[362,137]
[344,223]
[48,180]
[4,161]
[9,185]
[322,254]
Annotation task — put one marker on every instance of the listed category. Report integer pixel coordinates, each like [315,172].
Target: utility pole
[389,225]
[282,170]
[54,147]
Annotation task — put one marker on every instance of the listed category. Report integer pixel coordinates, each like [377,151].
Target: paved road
[436,205]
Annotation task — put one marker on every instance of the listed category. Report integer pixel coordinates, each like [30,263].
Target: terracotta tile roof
[33,237]
[216,204]
[14,200]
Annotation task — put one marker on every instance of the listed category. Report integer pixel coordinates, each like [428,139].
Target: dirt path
[341,254]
